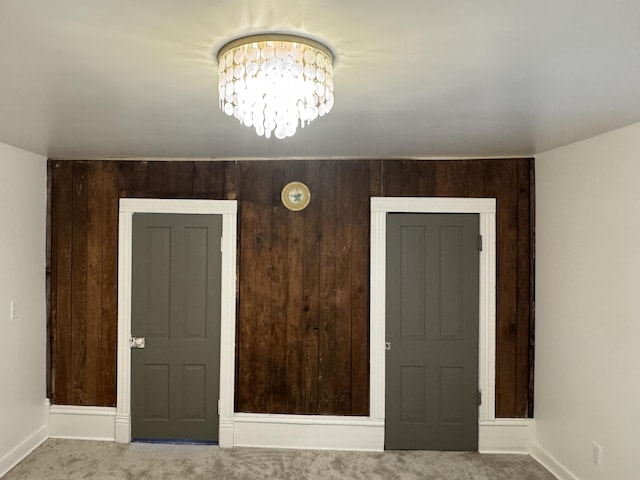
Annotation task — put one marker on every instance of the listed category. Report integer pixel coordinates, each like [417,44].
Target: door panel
[432,325]
[175,303]
[194,392]
[412,406]
[156,277]
[156,391]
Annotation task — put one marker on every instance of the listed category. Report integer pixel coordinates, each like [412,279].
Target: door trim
[228,209]
[486,209]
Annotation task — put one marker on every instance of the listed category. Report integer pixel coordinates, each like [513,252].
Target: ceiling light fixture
[272,82]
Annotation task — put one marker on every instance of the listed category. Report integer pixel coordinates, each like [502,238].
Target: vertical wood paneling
[260,268]
[50,284]
[203,181]
[326,203]
[109,326]
[426,177]
[185,179]
[139,179]
[409,175]
[155,179]
[94,280]
[220,178]
[449,180]
[126,180]
[523,283]
[232,181]
[501,182]
[360,233]
[531,247]
[61,227]
[279,287]
[305,255]
[79,282]
[295,374]
[474,171]
[376,177]
[311,292]
[303,319]
[345,174]
[248,299]
[171,186]
[392,175]
[208,180]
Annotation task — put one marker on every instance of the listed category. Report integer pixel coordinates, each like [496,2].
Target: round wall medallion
[295,196]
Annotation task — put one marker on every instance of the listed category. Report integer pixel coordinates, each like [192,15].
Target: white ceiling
[414,78]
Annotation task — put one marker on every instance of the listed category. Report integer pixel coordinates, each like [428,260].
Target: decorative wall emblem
[295,196]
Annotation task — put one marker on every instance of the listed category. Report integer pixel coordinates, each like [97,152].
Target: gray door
[432,332]
[175,303]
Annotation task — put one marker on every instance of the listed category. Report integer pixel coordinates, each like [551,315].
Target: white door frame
[228,209]
[486,208]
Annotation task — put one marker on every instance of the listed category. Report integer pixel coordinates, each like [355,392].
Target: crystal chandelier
[272,82]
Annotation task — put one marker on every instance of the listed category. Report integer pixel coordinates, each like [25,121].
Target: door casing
[486,208]
[228,209]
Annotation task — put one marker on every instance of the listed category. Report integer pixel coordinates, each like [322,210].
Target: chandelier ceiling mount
[273,82]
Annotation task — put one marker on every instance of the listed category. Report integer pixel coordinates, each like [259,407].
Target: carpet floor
[59,459]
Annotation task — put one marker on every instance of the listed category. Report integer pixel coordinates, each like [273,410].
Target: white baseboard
[123,429]
[358,433]
[318,432]
[225,433]
[506,435]
[321,432]
[85,423]
[549,462]
[24,448]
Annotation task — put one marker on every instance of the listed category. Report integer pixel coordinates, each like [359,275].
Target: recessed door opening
[204,375]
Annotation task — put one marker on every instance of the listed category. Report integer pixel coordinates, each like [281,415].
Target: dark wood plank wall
[303,292]
[303,302]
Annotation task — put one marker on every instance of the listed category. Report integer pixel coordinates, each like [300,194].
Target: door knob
[136,342]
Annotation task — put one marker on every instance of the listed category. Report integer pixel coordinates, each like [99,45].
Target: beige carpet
[74,459]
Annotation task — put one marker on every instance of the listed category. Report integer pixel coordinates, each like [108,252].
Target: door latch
[136,342]
[387,345]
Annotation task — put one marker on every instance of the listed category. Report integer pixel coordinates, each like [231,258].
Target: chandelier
[274,82]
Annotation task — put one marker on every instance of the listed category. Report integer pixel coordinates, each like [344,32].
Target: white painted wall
[588,306]
[23,413]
